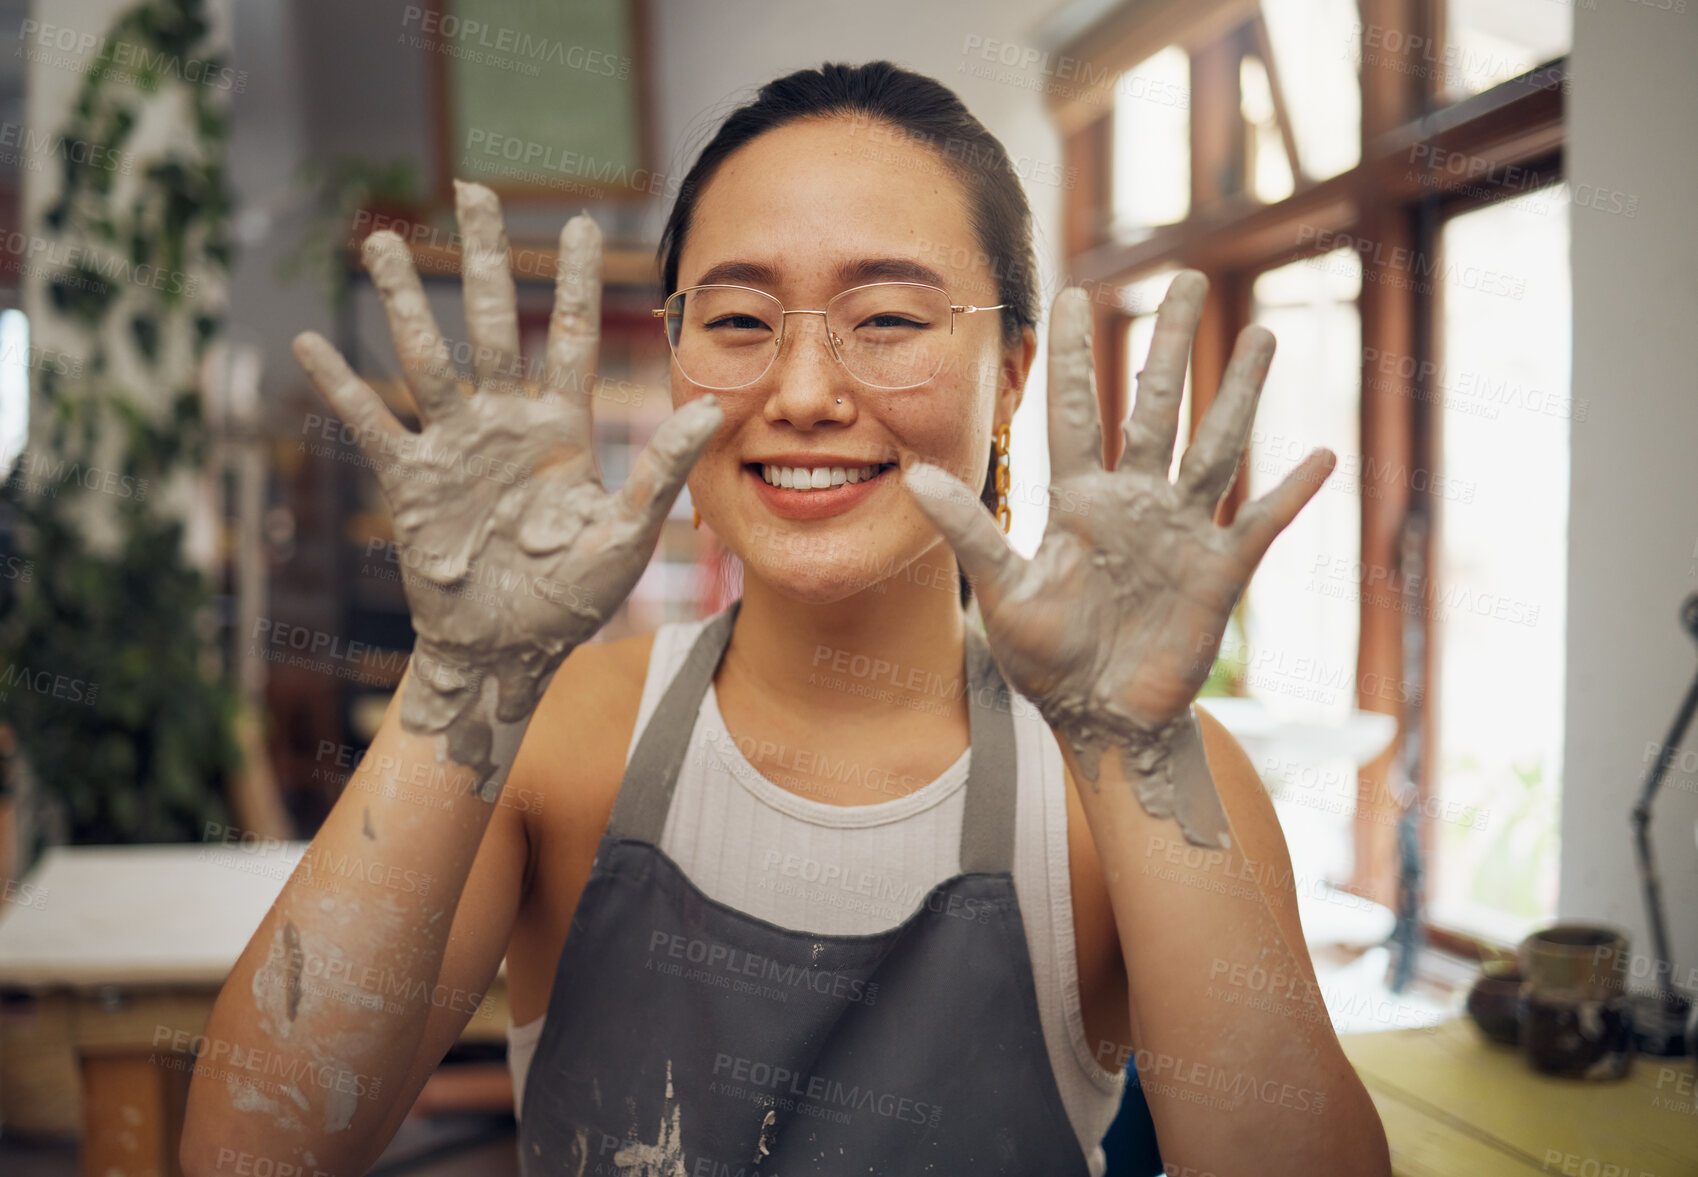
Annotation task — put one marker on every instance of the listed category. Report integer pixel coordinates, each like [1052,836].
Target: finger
[970,530]
[664,464]
[574,327]
[352,398]
[492,323]
[1151,430]
[418,340]
[1208,466]
[1258,523]
[1075,426]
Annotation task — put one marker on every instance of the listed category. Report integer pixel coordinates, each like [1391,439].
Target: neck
[896,644]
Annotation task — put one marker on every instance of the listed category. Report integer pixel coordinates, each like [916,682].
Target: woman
[807,887]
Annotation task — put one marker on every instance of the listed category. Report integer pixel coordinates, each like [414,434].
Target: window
[1378,184]
[1500,566]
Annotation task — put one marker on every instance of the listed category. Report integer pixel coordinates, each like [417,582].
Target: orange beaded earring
[1003,515]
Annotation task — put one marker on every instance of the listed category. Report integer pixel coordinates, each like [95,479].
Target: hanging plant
[110,666]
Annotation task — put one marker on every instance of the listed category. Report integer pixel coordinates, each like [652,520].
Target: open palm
[1112,625]
[511,550]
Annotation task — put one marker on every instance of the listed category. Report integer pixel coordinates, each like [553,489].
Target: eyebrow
[855,273]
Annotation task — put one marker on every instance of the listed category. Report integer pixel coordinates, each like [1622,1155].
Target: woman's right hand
[511,550]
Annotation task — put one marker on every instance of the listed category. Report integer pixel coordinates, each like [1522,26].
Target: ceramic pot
[1573,1012]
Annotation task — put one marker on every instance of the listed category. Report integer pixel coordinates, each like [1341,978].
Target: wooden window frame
[1232,237]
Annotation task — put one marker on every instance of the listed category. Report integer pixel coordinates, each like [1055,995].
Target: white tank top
[855,869]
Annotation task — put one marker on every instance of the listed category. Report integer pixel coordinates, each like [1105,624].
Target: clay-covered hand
[1112,625]
[511,551]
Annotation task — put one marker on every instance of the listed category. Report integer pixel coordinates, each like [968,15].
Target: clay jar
[1575,1017]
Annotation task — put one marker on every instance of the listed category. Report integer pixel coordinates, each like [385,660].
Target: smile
[818,477]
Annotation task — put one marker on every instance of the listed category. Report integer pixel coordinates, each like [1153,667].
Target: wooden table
[1455,1105]
[108,953]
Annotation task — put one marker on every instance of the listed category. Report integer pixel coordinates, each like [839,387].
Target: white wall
[1633,526]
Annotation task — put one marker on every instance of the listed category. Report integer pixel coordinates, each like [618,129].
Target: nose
[808,386]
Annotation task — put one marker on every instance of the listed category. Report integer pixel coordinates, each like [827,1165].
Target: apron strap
[651,776]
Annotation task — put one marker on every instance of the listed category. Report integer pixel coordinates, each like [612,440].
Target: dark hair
[924,110]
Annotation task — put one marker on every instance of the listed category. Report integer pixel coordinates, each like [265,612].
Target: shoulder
[573,754]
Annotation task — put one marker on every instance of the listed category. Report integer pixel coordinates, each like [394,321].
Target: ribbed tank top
[838,869]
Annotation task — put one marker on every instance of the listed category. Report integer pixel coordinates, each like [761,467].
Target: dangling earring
[1003,515]
[696,519]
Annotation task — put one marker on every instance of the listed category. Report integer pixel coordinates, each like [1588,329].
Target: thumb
[666,461]
[955,511]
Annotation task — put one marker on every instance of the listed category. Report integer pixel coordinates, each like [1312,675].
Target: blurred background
[1467,222]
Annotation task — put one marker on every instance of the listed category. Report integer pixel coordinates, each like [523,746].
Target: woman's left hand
[1113,624]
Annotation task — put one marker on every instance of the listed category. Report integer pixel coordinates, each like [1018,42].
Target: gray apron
[686,1038]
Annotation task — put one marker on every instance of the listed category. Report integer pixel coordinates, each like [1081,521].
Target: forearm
[1234,1047]
[319,1024]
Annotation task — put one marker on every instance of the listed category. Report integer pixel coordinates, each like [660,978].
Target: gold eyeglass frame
[833,341]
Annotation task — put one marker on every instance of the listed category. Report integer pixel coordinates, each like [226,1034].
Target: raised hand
[511,550]
[1111,627]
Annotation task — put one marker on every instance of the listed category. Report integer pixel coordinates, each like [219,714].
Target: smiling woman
[836,881]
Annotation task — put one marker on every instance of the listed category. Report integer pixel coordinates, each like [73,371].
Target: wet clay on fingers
[1112,625]
[512,552]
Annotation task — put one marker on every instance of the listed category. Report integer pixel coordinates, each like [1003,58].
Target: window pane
[1315,48]
[1269,164]
[1298,653]
[1491,41]
[1499,593]
[1152,144]
[1301,611]
[1140,299]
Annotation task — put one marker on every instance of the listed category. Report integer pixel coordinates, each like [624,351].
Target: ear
[1016,367]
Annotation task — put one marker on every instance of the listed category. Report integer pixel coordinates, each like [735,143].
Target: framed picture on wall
[542,100]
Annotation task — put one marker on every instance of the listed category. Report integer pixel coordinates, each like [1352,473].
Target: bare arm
[1233,1043]
[341,1005]
[512,555]
[1110,629]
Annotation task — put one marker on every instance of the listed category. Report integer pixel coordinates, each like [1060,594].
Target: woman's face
[805,212]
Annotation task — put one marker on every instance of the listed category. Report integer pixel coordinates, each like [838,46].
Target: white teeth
[815,477]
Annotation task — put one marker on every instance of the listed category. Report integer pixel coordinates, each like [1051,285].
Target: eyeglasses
[889,335]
